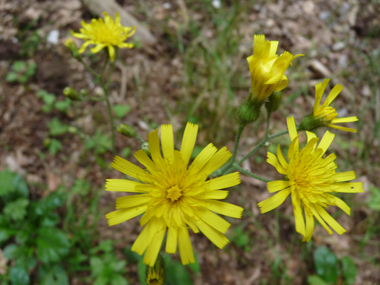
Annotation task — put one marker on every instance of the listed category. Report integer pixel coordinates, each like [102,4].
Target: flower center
[174,193]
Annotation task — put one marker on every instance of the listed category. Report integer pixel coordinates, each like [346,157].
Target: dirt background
[337,38]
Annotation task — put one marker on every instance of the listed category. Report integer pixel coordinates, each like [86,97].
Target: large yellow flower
[267,68]
[173,196]
[309,179]
[327,114]
[108,33]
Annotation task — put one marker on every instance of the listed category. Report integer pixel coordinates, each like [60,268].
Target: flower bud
[310,123]
[249,112]
[72,48]
[83,92]
[126,130]
[156,275]
[273,102]
[71,94]
[145,148]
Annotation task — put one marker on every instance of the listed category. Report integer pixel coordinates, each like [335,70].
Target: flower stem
[246,172]
[237,140]
[268,121]
[259,145]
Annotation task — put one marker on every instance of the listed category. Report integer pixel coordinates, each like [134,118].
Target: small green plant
[106,268]
[121,110]
[28,232]
[374,202]
[329,268]
[51,103]
[21,71]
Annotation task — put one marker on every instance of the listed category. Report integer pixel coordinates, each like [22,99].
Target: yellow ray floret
[174,197]
[105,33]
[267,68]
[309,179]
[326,113]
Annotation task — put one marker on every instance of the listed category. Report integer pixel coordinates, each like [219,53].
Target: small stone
[167,5]
[338,46]
[308,7]
[366,91]
[53,37]
[216,3]
[324,15]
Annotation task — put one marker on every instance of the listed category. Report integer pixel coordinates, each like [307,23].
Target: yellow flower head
[267,69]
[310,178]
[173,196]
[327,114]
[108,33]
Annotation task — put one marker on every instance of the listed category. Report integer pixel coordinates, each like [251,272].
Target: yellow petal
[274,201]
[214,220]
[326,141]
[281,157]
[274,186]
[97,48]
[224,208]
[121,185]
[272,160]
[216,194]
[320,220]
[171,242]
[185,247]
[154,247]
[333,93]
[334,224]
[344,120]
[119,216]
[127,167]
[344,176]
[319,89]
[145,237]
[216,161]
[342,128]
[224,181]
[203,157]
[351,187]
[144,159]
[298,215]
[167,141]
[111,51]
[132,201]
[215,236]
[309,226]
[188,141]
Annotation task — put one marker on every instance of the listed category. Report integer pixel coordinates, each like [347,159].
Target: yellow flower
[267,69]
[173,196]
[327,114]
[309,179]
[108,33]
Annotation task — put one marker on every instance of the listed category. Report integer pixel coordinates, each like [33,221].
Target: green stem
[259,145]
[237,140]
[89,68]
[139,138]
[246,172]
[268,121]
[94,99]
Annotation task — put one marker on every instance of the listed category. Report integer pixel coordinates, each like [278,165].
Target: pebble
[338,46]
[53,37]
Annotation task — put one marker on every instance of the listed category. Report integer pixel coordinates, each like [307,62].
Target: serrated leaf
[53,275]
[16,210]
[52,244]
[11,76]
[63,106]
[121,110]
[326,264]
[19,275]
[56,128]
[18,66]
[349,270]
[118,279]
[374,202]
[6,182]
[316,280]
[54,146]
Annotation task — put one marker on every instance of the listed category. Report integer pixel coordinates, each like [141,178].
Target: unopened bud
[145,148]
[126,130]
[72,48]
[273,102]
[156,275]
[47,142]
[72,130]
[249,112]
[310,123]
[71,94]
[83,92]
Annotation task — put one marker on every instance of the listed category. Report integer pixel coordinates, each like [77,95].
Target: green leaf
[195,267]
[141,268]
[11,76]
[326,264]
[126,152]
[52,244]
[46,97]
[16,210]
[23,78]
[374,202]
[54,146]
[52,275]
[19,275]
[6,182]
[241,239]
[349,270]
[31,69]
[121,110]
[10,251]
[81,187]
[48,204]
[18,66]
[118,279]
[176,273]
[97,266]
[316,280]
[63,106]
[56,128]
